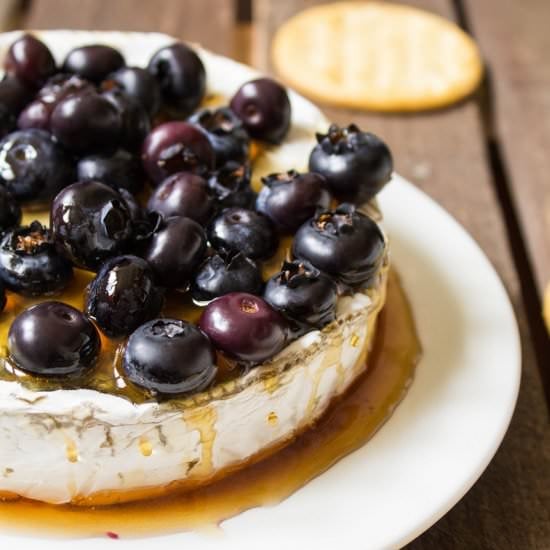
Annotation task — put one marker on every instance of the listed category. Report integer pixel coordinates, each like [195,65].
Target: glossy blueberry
[30,263]
[226,134]
[264,108]
[302,294]
[10,211]
[91,222]
[32,166]
[93,62]
[123,296]
[343,243]
[241,230]
[169,357]
[230,184]
[137,83]
[122,170]
[244,326]
[37,113]
[135,120]
[2,297]
[181,77]
[176,147]
[290,198]
[13,97]
[175,250]
[220,275]
[356,164]
[53,339]
[86,124]
[183,194]
[30,60]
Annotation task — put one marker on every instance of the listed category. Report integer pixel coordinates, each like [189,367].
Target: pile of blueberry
[91,137]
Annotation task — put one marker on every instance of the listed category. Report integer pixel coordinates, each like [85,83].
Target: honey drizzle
[347,426]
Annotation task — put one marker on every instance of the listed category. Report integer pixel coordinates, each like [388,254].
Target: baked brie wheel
[82,444]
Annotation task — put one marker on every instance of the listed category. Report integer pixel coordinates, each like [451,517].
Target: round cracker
[377,56]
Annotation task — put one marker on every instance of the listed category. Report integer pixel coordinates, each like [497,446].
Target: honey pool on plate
[348,424]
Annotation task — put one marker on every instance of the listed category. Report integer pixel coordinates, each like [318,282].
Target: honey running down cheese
[348,425]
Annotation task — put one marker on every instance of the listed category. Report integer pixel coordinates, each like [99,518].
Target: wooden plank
[444,154]
[516,44]
[208,22]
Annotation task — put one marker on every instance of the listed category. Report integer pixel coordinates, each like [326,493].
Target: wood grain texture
[516,45]
[444,154]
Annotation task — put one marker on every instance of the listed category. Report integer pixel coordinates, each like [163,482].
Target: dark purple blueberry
[343,243]
[175,250]
[137,83]
[30,263]
[181,77]
[183,194]
[244,326]
[30,60]
[37,114]
[123,296]
[226,134]
[32,166]
[10,211]
[264,108]
[91,222]
[13,98]
[246,231]
[2,297]
[122,170]
[169,357]
[135,120]
[87,124]
[220,275]
[53,339]
[93,62]
[356,164]
[302,294]
[176,147]
[230,184]
[290,198]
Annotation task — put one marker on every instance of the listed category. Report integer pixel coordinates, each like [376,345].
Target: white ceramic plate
[443,435]
[438,441]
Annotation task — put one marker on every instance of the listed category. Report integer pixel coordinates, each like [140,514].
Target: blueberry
[37,114]
[123,296]
[343,243]
[176,147]
[231,186]
[241,230]
[122,170]
[30,60]
[226,134]
[10,211]
[30,264]
[181,77]
[220,275]
[169,357]
[302,294]
[90,222]
[356,164]
[137,83]
[244,327]
[93,62]
[53,339]
[264,108]
[87,123]
[13,97]
[135,120]
[2,297]
[183,194]
[290,198]
[34,167]
[175,250]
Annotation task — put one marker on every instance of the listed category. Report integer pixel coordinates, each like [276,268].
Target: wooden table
[486,160]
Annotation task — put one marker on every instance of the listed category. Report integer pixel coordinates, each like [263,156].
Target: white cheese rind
[66,445]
